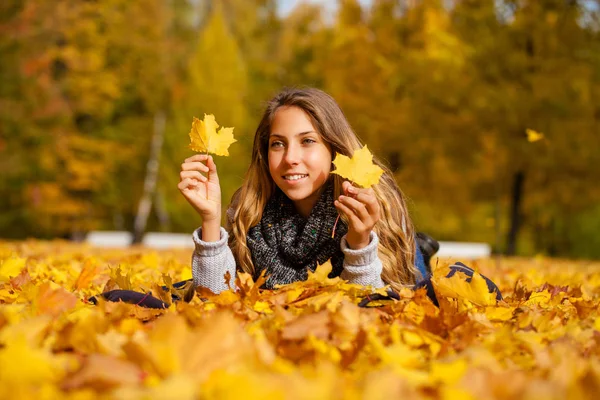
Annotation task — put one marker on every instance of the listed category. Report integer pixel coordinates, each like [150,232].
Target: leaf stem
[334,226]
[207,174]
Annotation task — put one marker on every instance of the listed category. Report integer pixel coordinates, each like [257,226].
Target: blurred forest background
[443,91]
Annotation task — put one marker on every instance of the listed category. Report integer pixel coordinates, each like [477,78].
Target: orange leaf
[102,372]
[53,301]
[87,274]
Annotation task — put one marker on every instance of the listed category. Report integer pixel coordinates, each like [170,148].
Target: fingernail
[352,189]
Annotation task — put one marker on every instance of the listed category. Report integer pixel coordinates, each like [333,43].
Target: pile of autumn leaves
[308,340]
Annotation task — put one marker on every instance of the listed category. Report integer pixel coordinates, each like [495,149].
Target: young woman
[283,218]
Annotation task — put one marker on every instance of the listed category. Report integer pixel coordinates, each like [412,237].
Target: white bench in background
[117,239]
[162,240]
[463,250]
[155,240]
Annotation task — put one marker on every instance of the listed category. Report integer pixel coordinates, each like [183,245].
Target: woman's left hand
[362,210]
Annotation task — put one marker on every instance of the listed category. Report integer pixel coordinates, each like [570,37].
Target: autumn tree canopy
[444,92]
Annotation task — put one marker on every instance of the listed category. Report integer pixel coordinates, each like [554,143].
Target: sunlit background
[487,111]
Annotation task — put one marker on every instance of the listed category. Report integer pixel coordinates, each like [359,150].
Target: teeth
[293,177]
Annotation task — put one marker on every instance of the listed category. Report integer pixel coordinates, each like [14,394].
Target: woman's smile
[299,158]
[295,177]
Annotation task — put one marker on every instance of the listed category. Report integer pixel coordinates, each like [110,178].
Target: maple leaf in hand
[359,169]
[205,138]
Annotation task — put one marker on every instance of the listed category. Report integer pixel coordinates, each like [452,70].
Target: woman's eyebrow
[297,134]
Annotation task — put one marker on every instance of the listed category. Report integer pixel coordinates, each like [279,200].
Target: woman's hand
[362,210]
[199,184]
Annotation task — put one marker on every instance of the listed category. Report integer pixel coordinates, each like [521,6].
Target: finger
[355,190]
[346,185]
[187,183]
[192,174]
[357,207]
[197,157]
[213,176]
[211,164]
[194,166]
[371,203]
[349,213]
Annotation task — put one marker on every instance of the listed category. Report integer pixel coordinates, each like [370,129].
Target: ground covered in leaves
[309,340]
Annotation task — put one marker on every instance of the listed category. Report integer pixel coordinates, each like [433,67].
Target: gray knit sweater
[212,260]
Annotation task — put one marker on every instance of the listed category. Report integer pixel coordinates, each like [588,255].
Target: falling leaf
[359,169]
[205,138]
[533,136]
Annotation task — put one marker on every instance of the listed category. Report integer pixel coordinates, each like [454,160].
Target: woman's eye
[308,141]
[276,144]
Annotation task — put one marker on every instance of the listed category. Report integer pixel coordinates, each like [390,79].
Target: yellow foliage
[302,341]
[10,268]
[457,287]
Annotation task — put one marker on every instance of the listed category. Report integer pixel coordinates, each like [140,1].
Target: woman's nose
[292,155]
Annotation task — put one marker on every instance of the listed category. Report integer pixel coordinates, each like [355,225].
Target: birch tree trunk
[145,205]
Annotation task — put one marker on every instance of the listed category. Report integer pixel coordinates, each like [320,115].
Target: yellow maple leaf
[205,138]
[359,169]
[22,364]
[457,287]
[10,268]
[262,307]
[533,136]
[321,273]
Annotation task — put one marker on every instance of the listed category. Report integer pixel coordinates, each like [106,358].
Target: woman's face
[299,159]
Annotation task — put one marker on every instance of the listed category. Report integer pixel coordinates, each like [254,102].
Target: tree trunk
[515,213]
[164,221]
[145,205]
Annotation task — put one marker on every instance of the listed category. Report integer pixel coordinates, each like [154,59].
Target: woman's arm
[211,261]
[362,266]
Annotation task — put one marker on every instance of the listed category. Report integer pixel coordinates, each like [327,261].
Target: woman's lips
[294,178]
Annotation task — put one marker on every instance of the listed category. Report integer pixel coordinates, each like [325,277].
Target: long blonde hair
[394,229]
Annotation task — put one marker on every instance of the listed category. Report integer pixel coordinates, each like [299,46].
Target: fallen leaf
[87,274]
[11,268]
[23,364]
[457,287]
[103,372]
[52,301]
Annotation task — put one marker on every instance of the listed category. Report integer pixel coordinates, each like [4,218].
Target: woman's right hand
[199,184]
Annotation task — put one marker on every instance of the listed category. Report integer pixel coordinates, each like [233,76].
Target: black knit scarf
[285,244]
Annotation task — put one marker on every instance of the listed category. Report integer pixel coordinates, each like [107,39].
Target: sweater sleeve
[211,261]
[362,266]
